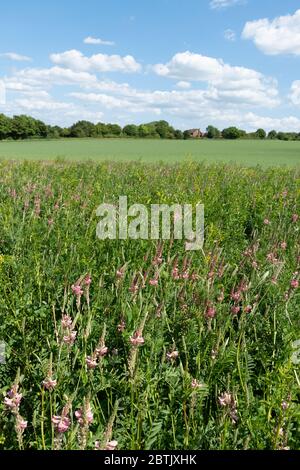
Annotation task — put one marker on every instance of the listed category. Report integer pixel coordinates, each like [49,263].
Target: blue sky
[193,63]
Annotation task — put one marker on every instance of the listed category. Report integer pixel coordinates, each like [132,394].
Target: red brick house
[195,133]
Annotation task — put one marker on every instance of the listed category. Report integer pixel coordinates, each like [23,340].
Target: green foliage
[231,133]
[213,132]
[144,397]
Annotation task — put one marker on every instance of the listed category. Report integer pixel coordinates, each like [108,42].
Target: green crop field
[138,344]
[245,152]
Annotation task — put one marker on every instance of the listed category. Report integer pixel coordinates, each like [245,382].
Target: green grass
[140,396]
[250,153]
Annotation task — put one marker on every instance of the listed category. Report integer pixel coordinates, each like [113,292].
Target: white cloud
[278,36]
[2,92]
[184,85]
[295,93]
[41,105]
[30,78]
[91,40]
[229,35]
[236,84]
[16,57]
[76,61]
[219,4]
[107,101]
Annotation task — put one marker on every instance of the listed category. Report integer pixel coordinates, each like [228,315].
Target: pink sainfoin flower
[88,280]
[13,399]
[210,312]
[248,309]
[101,351]
[111,445]
[226,399]
[84,415]
[76,289]
[61,423]
[121,326]
[235,296]
[137,339]
[285,405]
[267,222]
[66,321]
[283,245]
[295,218]
[49,383]
[172,355]
[70,338]
[21,424]
[153,282]
[294,283]
[91,362]
[195,384]
[235,310]
[272,258]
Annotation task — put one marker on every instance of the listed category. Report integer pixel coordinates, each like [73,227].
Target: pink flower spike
[91,362]
[235,296]
[172,355]
[101,352]
[21,424]
[235,310]
[61,423]
[111,445]
[210,312]
[49,383]
[76,289]
[137,339]
[88,280]
[70,339]
[84,416]
[294,283]
[66,321]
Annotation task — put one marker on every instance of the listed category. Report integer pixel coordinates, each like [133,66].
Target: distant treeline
[26,127]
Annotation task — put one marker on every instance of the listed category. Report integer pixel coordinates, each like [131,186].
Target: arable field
[138,344]
[245,152]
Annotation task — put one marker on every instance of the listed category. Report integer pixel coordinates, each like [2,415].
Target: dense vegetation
[24,127]
[138,344]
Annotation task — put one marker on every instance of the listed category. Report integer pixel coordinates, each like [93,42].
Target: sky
[192,63]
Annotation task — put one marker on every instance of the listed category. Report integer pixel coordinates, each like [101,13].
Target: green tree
[282,136]
[131,130]
[213,132]
[178,134]
[23,127]
[272,135]
[231,133]
[114,130]
[144,131]
[5,127]
[261,134]
[83,129]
